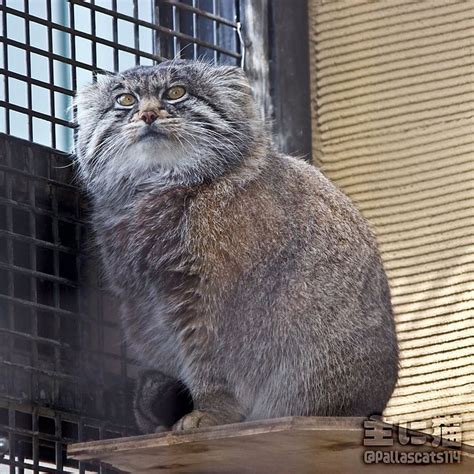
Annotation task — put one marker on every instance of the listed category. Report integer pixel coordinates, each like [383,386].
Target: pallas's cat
[245,276]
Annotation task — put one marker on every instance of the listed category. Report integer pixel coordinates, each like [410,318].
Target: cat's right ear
[89,94]
[101,83]
[89,98]
[233,77]
[105,80]
[232,72]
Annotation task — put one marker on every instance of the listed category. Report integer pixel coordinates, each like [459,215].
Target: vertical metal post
[276,41]
[290,78]
[255,36]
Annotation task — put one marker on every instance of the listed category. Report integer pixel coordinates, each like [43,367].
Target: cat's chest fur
[145,240]
[145,251]
[173,258]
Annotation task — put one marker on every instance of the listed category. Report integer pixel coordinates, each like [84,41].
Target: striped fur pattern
[244,275]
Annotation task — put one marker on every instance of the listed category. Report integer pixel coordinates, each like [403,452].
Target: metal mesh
[50,48]
[64,372]
[60,346]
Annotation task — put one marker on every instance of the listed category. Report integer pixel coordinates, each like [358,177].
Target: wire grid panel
[64,372]
[52,47]
[60,344]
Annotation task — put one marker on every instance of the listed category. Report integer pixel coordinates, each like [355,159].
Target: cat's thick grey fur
[244,274]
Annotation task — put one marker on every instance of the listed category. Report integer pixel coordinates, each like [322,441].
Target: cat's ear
[102,82]
[89,93]
[233,76]
[232,71]
[91,96]
[105,79]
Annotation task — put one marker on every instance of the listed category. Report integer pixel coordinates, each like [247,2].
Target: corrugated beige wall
[393,107]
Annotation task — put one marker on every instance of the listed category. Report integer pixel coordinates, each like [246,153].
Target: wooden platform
[286,445]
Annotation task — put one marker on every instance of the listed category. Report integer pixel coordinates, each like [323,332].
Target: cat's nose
[148,116]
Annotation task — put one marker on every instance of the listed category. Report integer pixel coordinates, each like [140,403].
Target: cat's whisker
[65,166]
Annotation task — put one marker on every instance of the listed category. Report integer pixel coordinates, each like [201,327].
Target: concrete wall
[393,107]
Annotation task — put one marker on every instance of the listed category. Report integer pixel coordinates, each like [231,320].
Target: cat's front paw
[197,419]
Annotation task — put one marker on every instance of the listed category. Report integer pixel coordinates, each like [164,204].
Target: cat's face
[180,117]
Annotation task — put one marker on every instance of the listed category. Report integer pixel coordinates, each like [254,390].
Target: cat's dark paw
[159,402]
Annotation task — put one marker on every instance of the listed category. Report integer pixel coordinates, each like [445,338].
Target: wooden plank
[284,445]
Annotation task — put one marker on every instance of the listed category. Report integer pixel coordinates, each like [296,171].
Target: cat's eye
[126,100]
[175,93]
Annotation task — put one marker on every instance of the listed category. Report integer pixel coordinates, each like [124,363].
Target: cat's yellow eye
[175,93]
[126,100]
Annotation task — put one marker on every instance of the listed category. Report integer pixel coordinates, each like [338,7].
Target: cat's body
[257,285]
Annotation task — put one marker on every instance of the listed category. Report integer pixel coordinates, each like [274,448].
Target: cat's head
[185,119]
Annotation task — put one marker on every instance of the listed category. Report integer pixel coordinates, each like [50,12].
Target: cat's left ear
[233,76]
[232,71]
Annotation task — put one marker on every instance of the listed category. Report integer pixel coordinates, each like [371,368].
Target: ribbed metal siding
[393,103]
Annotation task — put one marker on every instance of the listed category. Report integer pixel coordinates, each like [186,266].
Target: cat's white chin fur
[150,152]
[150,155]
[139,161]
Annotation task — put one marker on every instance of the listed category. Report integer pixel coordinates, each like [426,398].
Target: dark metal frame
[212,31]
[63,374]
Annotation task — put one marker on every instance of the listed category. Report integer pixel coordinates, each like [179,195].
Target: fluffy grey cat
[244,275]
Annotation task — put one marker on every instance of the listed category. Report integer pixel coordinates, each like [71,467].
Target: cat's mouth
[150,134]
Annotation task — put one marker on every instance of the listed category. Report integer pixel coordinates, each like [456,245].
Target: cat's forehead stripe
[150,77]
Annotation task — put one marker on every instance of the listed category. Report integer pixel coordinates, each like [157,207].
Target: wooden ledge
[285,445]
